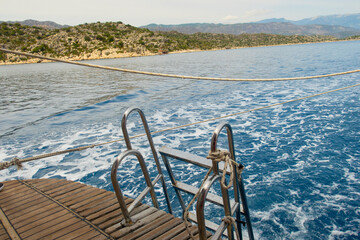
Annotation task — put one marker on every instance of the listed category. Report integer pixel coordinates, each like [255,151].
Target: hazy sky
[142,12]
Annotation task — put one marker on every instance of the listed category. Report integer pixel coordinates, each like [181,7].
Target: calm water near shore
[302,159]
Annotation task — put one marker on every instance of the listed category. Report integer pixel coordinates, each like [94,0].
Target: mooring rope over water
[178,76]
[17,161]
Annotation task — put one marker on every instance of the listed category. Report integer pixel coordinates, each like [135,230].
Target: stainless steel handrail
[225,195]
[151,142]
[238,187]
[200,205]
[150,185]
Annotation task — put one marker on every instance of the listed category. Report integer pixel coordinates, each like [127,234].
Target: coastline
[114,55]
[99,56]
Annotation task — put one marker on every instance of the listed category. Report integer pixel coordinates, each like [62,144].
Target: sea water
[302,159]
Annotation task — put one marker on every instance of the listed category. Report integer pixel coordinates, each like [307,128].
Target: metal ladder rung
[213,226]
[209,224]
[210,197]
[190,158]
[143,193]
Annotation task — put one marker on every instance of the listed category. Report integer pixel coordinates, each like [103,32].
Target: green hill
[115,39]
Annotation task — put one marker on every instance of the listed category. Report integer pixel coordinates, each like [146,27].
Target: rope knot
[229,220]
[15,161]
[224,156]
[219,155]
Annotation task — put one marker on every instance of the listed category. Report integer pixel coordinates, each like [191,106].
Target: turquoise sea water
[302,159]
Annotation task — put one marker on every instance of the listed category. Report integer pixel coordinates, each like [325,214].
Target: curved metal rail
[238,188]
[150,186]
[151,143]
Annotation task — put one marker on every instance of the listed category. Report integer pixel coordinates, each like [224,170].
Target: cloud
[248,16]
[255,14]
[230,18]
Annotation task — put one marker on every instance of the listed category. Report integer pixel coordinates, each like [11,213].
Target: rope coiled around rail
[224,156]
[178,76]
[217,156]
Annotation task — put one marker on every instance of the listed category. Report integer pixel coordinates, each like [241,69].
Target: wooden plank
[96,209]
[13,193]
[113,224]
[71,193]
[185,235]
[69,230]
[35,221]
[85,194]
[47,226]
[9,228]
[78,232]
[80,217]
[48,232]
[108,216]
[42,182]
[149,227]
[5,236]
[44,209]
[149,216]
[24,206]
[99,237]
[63,190]
[24,210]
[12,183]
[20,201]
[115,206]
[61,209]
[161,229]
[20,213]
[51,227]
[74,195]
[97,202]
[173,232]
[51,185]
[88,201]
[2,229]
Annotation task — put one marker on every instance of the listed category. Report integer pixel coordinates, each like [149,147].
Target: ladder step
[213,226]
[210,197]
[209,224]
[190,158]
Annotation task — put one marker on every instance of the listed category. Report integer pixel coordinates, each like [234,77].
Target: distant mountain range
[347,20]
[339,26]
[43,24]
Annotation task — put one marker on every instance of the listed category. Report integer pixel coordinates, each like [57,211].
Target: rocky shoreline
[98,56]
[113,54]
[92,56]
[117,40]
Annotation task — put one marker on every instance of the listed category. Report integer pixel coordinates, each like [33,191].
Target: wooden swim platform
[62,209]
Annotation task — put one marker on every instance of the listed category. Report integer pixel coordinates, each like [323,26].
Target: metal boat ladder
[150,184]
[237,207]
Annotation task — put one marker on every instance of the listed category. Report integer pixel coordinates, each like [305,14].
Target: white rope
[217,156]
[178,76]
[224,156]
